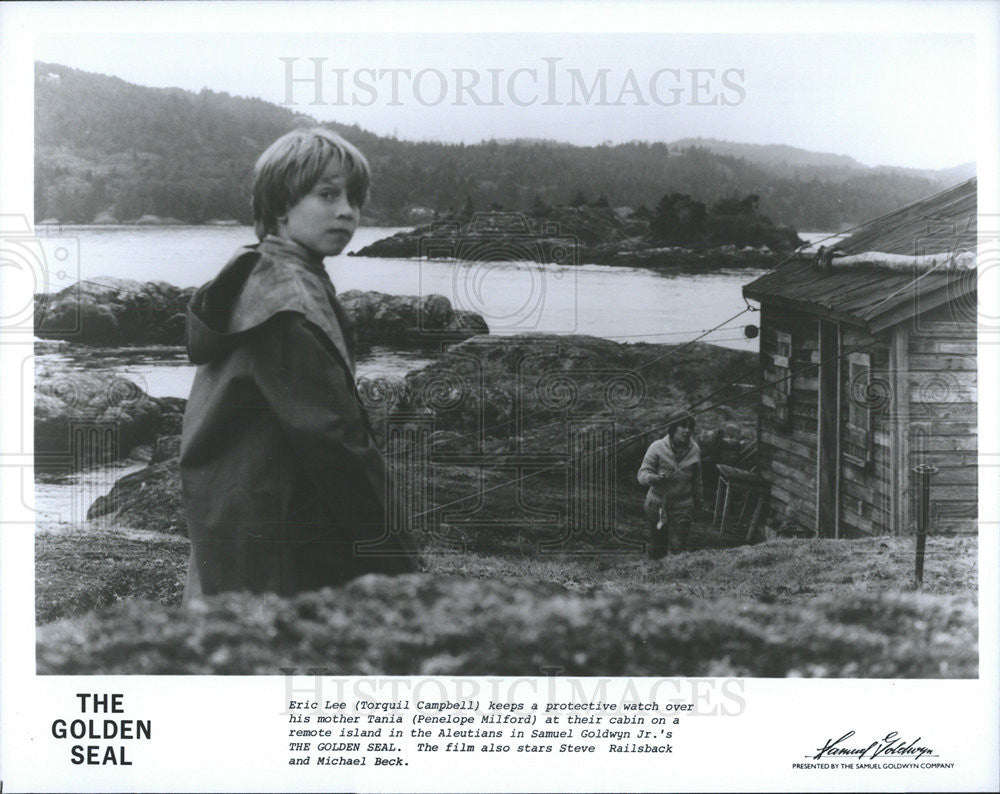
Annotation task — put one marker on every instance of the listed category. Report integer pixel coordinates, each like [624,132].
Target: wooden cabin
[868,350]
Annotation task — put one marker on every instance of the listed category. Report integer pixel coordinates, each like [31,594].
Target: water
[628,304]
[621,303]
[165,371]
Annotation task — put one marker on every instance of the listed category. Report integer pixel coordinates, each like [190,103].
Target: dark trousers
[669,526]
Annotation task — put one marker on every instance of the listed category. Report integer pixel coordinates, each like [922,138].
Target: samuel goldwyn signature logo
[891,745]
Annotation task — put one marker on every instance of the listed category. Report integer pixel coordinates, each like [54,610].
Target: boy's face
[323,220]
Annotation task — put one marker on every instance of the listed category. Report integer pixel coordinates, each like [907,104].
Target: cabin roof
[873,296]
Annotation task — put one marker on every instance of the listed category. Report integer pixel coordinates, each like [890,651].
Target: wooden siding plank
[853,490]
[852,521]
[960,380]
[921,344]
[945,393]
[959,517]
[874,478]
[794,447]
[928,362]
[791,459]
[955,326]
[954,493]
[794,474]
[940,442]
[952,459]
[792,502]
[945,412]
[955,475]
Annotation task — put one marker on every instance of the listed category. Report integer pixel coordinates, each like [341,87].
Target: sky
[881,98]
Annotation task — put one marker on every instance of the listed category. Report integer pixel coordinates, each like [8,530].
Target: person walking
[671,469]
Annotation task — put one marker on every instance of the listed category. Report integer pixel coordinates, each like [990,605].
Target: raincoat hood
[259,282]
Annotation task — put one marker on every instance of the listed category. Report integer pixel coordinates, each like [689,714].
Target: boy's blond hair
[291,166]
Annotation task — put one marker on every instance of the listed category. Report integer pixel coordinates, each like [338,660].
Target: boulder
[67,405]
[166,447]
[553,377]
[114,311]
[379,317]
[149,498]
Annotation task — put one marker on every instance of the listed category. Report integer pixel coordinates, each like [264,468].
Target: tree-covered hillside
[108,149]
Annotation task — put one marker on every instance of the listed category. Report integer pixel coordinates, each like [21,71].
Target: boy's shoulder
[274,284]
[280,283]
[260,282]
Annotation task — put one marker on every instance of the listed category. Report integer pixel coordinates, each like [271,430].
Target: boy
[671,469]
[284,490]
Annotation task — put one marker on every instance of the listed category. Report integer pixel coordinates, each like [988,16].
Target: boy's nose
[344,208]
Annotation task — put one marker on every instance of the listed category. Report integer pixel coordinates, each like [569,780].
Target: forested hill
[107,149]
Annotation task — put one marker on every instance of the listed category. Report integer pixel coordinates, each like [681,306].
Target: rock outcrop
[146,499]
[588,235]
[116,311]
[409,319]
[558,237]
[98,418]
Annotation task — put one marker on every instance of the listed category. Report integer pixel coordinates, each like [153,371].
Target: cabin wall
[787,448]
[941,383]
[865,483]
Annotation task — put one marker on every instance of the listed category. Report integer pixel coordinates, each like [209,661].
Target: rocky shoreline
[118,311]
[587,235]
[545,250]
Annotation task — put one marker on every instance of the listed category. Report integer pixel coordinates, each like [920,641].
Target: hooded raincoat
[284,489]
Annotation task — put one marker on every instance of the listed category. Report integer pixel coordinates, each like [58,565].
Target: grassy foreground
[781,608]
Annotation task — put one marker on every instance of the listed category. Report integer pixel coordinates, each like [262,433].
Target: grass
[78,570]
[421,625]
[782,608]
[779,571]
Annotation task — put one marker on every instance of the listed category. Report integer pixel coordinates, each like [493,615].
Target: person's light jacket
[681,486]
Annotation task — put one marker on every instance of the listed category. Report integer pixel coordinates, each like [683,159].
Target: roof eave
[807,307]
[924,301]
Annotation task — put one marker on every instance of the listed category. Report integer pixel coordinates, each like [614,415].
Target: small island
[681,233]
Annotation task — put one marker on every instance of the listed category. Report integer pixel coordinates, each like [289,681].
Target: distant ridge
[111,150]
[774,154]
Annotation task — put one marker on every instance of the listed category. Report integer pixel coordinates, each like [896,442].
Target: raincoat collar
[258,283]
[283,248]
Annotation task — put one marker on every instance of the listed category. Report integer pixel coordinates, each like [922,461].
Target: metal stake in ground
[924,473]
